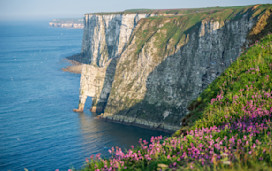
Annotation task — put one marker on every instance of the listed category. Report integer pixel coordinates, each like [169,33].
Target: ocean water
[38,129]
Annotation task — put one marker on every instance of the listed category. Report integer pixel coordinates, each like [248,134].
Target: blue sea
[38,129]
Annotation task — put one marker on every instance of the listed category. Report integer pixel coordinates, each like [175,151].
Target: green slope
[251,69]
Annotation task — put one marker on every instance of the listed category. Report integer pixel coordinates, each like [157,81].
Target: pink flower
[212,101]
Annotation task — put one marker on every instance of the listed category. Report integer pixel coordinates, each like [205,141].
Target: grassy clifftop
[171,32]
[178,11]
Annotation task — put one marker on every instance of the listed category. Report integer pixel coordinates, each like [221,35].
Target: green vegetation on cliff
[172,32]
[235,78]
[179,11]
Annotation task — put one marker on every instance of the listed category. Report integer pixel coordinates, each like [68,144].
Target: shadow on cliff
[80,57]
[108,80]
[162,109]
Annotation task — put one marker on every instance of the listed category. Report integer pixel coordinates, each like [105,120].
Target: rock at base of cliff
[139,122]
[75,67]
[96,109]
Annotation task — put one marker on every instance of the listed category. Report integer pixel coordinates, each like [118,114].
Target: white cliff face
[129,22]
[106,35]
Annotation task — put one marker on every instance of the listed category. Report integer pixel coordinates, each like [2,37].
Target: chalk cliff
[67,23]
[144,70]
[105,35]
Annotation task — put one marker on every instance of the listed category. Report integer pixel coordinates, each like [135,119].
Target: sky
[49,9]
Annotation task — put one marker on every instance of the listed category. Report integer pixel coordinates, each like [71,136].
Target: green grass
[175,29]
[234,79]
[179,11]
